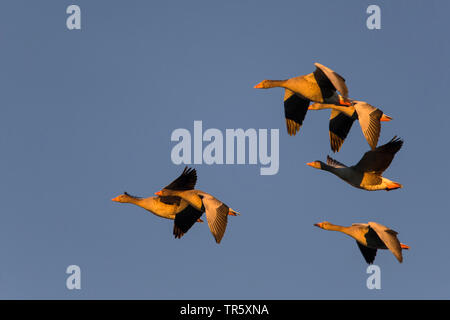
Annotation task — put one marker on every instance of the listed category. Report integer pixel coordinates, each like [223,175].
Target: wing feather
[369,120]
[389,238]
[217,216]
[336,80]
[184,220]
[295,108]
[186,181]
[378,160]
[171,200]
[368,253]
[335,163]
[339,126]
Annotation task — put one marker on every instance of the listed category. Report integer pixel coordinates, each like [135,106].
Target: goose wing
[369,120]
[185,219]
[368,253]
[334,163]
[295,108]
[171,200]
[339,126]
[378,160]
[327,78]
[360,225]
[389,238]
[217,215]
[186,181]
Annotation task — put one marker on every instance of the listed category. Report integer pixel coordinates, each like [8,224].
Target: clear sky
[87,114]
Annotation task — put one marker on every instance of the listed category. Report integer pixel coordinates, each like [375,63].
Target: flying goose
[366,174]
[342,118]
[370,237]
[216,211]
[174,208]
[319,86]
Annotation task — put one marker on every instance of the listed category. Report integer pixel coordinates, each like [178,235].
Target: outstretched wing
[184,220]
[217,215]
[389,238]
[368,253]
[327,78]
[335,163]
[186,181]
[369,120]
[295,108]
[340,125]
[378,160]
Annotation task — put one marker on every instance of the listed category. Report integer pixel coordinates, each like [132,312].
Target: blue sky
[88,114]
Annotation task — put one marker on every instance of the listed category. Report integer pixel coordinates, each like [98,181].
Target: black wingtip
[396,139]
[186,181]
[177,232]
[395,144]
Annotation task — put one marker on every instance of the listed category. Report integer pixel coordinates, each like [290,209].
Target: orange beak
[404,246]
[116,199]
[259,86]
[393,185]
[311,164]
[385,118]
[318,224]
[159,193]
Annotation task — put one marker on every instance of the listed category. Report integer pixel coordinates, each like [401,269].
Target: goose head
[164,192]
[124,198]
[262,85]
[324,225]
[316,164]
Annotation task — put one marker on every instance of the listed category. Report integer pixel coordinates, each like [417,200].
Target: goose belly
[168,213]
[350,176]
[365,181]
[372,182]
[161,209]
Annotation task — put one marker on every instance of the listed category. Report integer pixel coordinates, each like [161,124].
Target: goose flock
[321,89]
